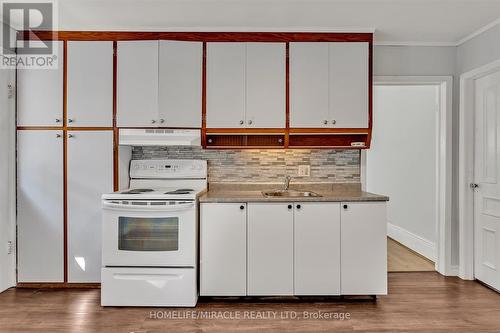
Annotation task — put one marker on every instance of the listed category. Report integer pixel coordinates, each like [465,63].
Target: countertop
[330,192]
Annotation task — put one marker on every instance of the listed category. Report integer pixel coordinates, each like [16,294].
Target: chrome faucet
[286,185]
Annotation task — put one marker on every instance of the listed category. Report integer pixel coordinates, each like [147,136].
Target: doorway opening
[410,161]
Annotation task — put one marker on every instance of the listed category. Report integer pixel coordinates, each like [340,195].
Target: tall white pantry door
[486,175]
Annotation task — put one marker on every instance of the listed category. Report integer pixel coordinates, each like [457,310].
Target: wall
[479,51]
[402,162]
[337,166]
[7,180]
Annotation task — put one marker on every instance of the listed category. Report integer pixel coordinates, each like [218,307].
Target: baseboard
[57,285]
[414,242]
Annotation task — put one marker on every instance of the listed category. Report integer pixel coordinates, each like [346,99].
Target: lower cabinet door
[223,246]
[317,249]
[90,174]
[40,227]
[363,248]
[270,249]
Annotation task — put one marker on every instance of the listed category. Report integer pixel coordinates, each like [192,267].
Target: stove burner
[181,191]
[138,191]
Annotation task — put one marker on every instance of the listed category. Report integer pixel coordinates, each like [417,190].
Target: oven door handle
[157,208]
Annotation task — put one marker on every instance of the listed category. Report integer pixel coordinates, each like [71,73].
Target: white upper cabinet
[40,94]
[265,85]
[90,83]
[90,174]
[40,213]
[309,85]
[180,83]
[137,84]
[226,85]
[349,85]
[329,84]
[246,85]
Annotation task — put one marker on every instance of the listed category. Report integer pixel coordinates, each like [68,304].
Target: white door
[487,176]
[317,249]
[265,85]
[90,83]
[40,206]
[348,70]
[180,74]
[137,84]
[89,175]
[40,94]
[270,249]
[7,178]
[223,249]
[309,85]
[226,85]
[363,248]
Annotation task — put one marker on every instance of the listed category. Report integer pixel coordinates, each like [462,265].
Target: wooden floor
[417,302]
[402,259]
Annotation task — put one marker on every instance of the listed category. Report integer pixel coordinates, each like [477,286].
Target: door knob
[162,121]
[474,186]
[71,136]
[241,122]
[58,135]
[58,120]
[250,122]
[299,206]
[334,122]
[325,122]
[345,206]
[153,121]
[242,207]
[70,120]
[290,206]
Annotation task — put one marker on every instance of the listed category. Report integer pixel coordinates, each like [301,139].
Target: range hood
[159,137]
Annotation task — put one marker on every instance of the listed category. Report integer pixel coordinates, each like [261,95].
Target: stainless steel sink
[289,193]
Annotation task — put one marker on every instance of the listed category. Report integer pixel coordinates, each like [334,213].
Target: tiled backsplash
[333,166]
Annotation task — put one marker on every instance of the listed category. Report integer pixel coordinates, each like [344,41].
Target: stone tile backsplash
[265,166]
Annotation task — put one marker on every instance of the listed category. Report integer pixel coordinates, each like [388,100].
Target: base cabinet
[223,246]
[270,249]
[279,249]
[363,249]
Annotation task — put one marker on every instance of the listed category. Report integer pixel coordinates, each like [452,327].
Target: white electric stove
[149,243]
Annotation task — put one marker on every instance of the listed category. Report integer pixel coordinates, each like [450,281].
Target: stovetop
[162,193]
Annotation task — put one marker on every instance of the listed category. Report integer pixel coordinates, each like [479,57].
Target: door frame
[443,263]
[466,167]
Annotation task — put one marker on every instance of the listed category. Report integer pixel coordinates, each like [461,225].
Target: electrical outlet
[10,247]
[304,170]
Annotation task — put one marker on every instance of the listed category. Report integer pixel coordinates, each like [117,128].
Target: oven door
[157,233]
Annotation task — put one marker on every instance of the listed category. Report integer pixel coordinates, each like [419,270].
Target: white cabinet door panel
[223,246]
[348,72]
[363,248]
[265,85]
[90,174]
[180,83]
[137,84]
[270,249]
[90,83]
[40,206]
[309,85]
[40,94]
[317,249]
[225,85]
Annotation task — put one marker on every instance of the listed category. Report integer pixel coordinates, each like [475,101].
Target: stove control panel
[168,169]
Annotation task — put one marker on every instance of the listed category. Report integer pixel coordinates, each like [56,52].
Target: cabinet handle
[241,122]
[70,120]
[58,120]
[334,122]
[325,122]
[250,122]
[299,206]
[162,121]
[242,207]
[71,136]
[290,206]
[153,121]
[58,135]
[345,206]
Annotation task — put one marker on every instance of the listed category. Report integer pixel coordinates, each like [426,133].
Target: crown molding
[413,43]
[478,32]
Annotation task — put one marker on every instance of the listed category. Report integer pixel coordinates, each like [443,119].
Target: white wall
[7,181]
[478,51]
[402,162]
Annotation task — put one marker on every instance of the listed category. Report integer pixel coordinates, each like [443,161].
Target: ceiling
[440,22]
